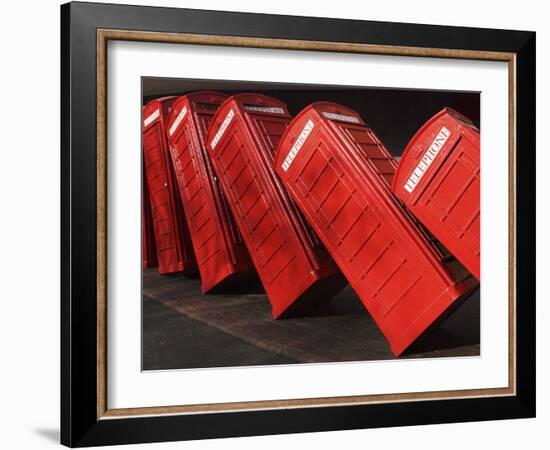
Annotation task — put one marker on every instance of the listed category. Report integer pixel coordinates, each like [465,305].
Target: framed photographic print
[276,224]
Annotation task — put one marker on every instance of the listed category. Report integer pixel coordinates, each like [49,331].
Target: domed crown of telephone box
[219,249]
[438,180]
[292,264]
[174,249]
[339,174]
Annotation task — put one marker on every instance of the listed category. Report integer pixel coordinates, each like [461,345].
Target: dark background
[394,114]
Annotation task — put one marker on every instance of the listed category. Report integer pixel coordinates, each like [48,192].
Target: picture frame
[86,418]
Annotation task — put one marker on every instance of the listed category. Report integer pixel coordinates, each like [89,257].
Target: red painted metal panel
[293,266]
[148,246]
[339,174]
[438,180]
[174,249]
[220,251]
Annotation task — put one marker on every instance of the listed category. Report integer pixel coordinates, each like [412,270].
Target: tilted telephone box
[148,246]
[438,180]
[174,249]
[339,174]
[294,267]
[220,252]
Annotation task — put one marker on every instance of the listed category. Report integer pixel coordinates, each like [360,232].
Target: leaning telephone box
[339,174]
[148,246]
[438,180]
[219,249]
[174,249]
[292,264]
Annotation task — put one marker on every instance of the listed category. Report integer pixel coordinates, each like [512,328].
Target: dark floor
[184,329]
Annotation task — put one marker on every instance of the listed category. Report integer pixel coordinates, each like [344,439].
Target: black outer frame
[79,423]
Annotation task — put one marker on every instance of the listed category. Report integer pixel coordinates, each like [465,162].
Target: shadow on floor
[184,329]
[49,434]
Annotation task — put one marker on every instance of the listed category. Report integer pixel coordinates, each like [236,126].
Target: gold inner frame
[103,36]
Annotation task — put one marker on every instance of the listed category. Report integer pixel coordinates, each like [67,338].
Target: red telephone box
[219,249]
[339,174]
[292,264]
[148,246]
[174,249]
[438,180]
